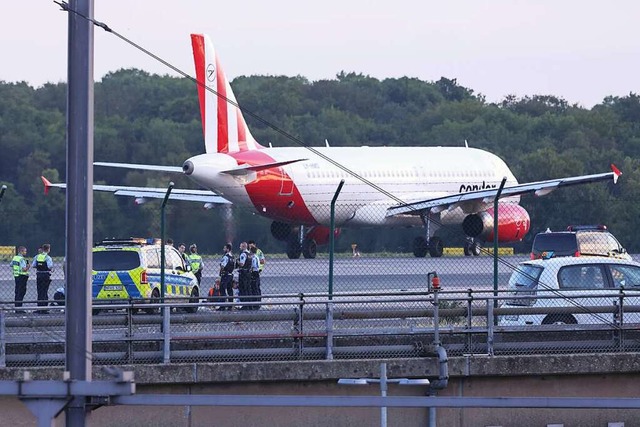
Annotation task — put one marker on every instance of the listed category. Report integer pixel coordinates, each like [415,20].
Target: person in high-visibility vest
[20,268]
[195,260]
[44,266]
[259,254]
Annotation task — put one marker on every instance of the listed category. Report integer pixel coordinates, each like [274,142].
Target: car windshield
[557,242]
[115,260]
[525,277]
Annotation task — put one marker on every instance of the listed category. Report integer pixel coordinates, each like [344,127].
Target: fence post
[469,320]
[3,339]
[495,245]
[490,319]
[332,231]
[300,325]
[329,326]
[166,334]
[162,250]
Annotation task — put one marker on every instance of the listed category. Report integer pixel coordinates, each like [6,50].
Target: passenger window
[625,275]
[581,277]
[152,258]
[173,259]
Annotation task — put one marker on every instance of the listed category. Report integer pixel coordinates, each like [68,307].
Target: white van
[573,284]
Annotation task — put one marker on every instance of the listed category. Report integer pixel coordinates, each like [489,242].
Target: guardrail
[312,327]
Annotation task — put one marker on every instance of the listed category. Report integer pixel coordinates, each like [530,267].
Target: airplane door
[286,183]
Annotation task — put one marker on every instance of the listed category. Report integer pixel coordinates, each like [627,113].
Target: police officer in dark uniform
[255,277]
[227,265]
[244,274]
[44,266]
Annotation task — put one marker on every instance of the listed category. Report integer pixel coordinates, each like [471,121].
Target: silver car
[571,289]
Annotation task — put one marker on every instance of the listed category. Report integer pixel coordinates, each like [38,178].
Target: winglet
[616,173]
[47,185]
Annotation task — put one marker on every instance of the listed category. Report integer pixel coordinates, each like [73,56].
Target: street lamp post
[383,381]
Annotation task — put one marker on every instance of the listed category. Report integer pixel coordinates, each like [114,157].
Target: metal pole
[495,242]
[162,251]
[332,237]
[79,206]
[383,393]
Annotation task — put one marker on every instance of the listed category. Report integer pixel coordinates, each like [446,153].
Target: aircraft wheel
[293,248]
[467,249]
[475,249]
[436,247]
[309,248]
[420,247]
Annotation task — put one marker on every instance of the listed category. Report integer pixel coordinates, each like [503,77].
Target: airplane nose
[187,167]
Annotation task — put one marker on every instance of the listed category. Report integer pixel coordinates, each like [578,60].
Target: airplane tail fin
[223,125]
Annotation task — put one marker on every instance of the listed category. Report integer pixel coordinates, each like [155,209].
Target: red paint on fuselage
[266,191]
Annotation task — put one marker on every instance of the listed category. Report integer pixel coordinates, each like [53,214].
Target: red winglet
[47,185]
[616,173]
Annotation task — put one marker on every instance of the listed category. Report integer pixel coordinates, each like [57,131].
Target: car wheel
[194,300]
[155,298]
[558,319]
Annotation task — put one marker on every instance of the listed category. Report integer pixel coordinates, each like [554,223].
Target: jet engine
[513,223]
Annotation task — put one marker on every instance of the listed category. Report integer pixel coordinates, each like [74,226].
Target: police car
[129,269]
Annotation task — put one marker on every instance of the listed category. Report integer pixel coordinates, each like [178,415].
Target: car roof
[551,233]
[562,261]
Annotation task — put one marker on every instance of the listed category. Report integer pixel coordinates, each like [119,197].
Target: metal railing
[314,327]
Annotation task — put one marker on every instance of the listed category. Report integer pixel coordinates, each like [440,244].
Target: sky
[579,50]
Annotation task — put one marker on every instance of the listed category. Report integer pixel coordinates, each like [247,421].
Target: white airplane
[383,186]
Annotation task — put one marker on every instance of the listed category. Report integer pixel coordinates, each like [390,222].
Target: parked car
[583,240]
[568,280]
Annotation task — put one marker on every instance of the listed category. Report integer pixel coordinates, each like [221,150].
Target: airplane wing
[172,169]
[539,188]
[237,171]
[142,193]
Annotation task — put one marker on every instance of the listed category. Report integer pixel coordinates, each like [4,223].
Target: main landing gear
[471,247]
[308,248]
[434,246]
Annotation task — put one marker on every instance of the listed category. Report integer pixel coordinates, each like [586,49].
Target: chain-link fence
[369,298]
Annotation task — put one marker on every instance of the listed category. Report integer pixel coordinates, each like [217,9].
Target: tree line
[144,118]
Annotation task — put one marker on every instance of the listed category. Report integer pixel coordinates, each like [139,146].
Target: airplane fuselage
[375,179]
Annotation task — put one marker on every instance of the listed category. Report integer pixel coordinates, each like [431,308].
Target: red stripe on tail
[223,123]
[197,43]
